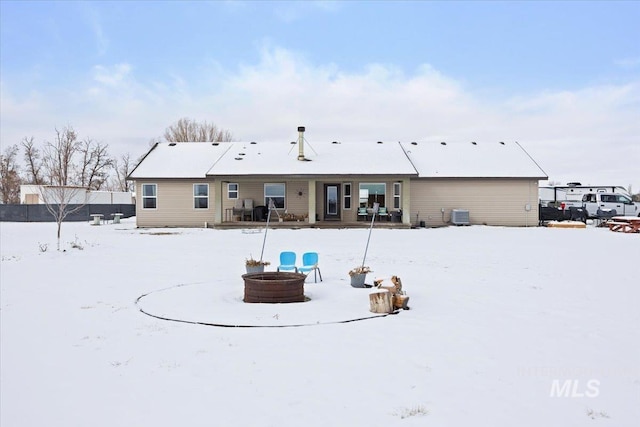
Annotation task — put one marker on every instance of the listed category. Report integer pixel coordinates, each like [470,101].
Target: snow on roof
[472,160]
[180,160]
[423,159]
[322,158]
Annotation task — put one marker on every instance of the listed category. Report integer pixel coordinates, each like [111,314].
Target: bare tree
[122,167]
[60,197]
[94,164]
[58,157]
[9,175]
[61,201]
[187,130]
[33,160]
[64,170]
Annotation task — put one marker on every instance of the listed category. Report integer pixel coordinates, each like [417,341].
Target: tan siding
[255,190]
[297,204]
[174,204]
[489,201]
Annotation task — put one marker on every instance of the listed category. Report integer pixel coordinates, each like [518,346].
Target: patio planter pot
[255,268]
[357,280]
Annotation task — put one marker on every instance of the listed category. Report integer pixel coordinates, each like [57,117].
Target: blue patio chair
[362,213]
[287,261]
[382,212]
[310,262]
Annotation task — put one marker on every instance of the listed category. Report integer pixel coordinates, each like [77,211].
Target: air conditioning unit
[460,217]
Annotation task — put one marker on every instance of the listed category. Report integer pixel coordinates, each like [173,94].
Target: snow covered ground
[507,327]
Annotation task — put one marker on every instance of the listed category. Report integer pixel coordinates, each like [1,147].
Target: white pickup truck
[599,205]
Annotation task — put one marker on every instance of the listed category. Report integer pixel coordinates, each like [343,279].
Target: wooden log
[390,288]
[380,301]
[398,283]
[401,301]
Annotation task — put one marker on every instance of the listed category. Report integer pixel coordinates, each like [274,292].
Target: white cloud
[588,135]
[111,76]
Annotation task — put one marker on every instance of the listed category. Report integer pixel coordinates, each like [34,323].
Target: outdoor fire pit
[274,287]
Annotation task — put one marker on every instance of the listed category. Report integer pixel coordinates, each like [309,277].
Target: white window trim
[384,184]
[200,197]
[149,197]
[398,196]
[237,190]
[345,196]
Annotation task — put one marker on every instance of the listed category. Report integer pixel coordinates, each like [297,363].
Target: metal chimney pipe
[301,143]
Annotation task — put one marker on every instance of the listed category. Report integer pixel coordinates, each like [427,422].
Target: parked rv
[579,202]
[573,192]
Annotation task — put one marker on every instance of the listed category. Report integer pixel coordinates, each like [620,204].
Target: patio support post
[217,203]
[312,201]
[406,201]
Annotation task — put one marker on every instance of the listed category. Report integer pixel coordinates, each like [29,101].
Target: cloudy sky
[561,78]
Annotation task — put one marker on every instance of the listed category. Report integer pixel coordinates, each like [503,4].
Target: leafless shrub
[596,414]
[411,412]
[187,130]
[76,245]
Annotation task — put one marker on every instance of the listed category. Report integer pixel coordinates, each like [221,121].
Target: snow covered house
[496,182]
[198,184]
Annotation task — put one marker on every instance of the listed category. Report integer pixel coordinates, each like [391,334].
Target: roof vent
[238,158]
[242,154]
[171,144]
[474,143]
[414,143]
[501,143]
[301,143]
[293,143]
[253,143]
[443,143]
[335,142]
[215,143]
[380,142]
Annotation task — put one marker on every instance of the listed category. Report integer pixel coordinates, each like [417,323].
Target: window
[276,192]
[149,196]
[624,199]
[201,196]
[396,195]
[371,193]
[232,190]
[608,199]
[346,190]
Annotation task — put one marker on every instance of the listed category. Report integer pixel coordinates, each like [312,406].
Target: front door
[332,202]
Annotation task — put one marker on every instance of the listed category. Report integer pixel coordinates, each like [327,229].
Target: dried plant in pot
[358,276]
[255,265]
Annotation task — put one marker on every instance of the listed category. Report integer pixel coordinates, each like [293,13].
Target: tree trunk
[401,301]
[59,229]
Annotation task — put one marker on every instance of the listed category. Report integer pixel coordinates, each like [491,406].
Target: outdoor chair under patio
[248,209]
[382,212]
[363,215]
[238,209]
